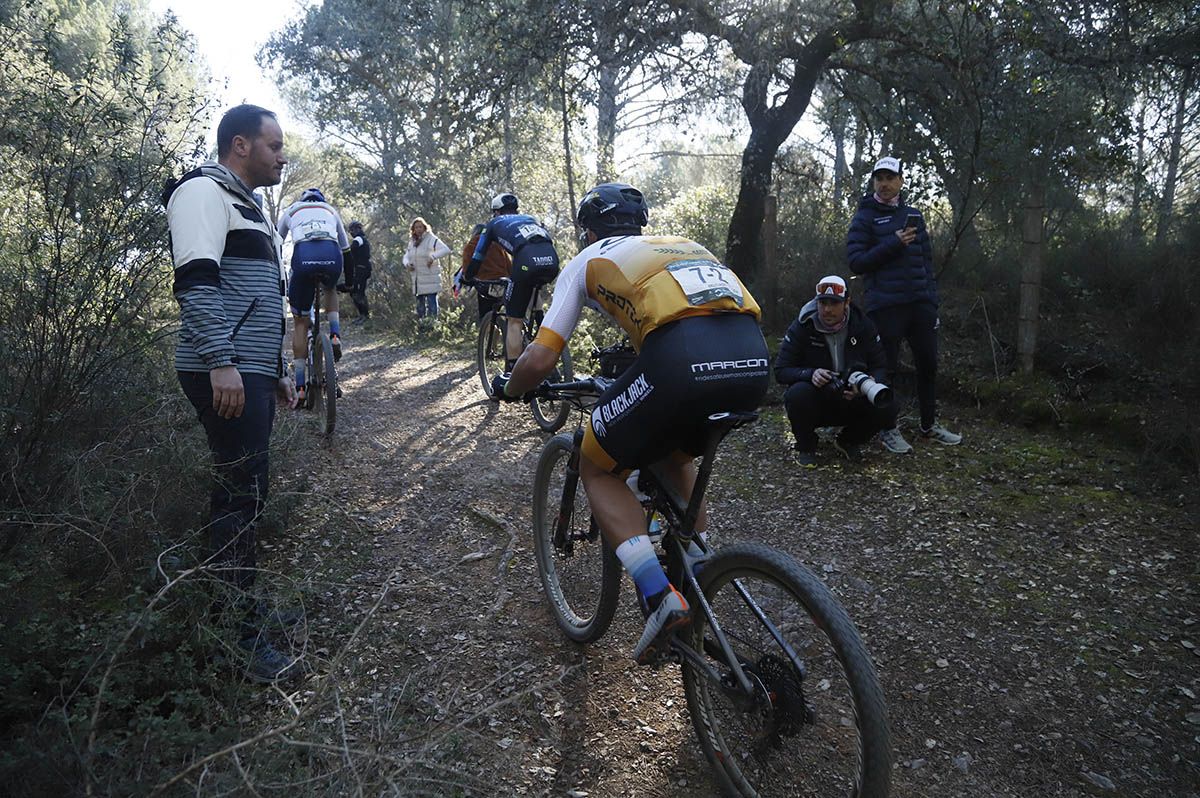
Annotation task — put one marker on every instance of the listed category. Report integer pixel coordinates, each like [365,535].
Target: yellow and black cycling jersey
[643,282]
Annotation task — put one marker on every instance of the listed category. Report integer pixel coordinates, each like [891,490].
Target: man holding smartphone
[888,245]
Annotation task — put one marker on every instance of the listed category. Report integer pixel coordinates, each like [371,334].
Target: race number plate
[704,281]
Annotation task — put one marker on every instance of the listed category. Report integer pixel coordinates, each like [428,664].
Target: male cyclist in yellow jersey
[700,351]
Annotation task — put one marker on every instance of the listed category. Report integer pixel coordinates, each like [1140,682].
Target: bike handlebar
[575,390]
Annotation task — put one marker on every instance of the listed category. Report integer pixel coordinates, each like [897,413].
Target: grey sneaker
[671,615]
[942,435]
[894,442]
[265,664]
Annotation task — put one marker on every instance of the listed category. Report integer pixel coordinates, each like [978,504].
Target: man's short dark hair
[241,120]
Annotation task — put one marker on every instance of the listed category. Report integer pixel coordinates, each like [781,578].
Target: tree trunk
[841,172]
[606,125]
[1167,207]
[743,245]
[508,141]
[1031,275]
[1139,174]
[768,299]
[566,127]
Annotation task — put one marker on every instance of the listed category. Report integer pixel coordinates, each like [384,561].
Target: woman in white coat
[421,258]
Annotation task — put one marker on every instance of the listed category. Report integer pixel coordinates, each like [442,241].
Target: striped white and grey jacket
[227,275]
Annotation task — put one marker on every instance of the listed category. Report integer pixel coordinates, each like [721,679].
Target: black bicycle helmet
[505,202]
[312,195]
[355,227]
[613,209]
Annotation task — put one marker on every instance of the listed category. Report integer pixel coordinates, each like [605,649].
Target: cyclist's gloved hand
[498,384]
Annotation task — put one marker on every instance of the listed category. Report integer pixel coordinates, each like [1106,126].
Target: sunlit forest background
[1053,146]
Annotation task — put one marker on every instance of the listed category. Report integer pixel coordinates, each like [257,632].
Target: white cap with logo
[889,163]
[832,287]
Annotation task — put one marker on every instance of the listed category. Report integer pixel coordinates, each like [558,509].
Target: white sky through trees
[229,34]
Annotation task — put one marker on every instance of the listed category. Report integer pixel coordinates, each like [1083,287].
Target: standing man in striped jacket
[229,358]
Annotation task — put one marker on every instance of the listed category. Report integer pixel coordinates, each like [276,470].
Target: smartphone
[914,219]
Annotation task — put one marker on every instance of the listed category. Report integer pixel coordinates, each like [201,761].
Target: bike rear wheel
[316,390]
[816,728]
[489,349]
[580,573]
[329,384]
[548,414]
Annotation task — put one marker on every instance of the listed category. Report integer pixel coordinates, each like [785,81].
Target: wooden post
[769,300]
[1031,275]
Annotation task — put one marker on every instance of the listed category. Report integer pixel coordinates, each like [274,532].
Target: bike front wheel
[329,384]
[814,722]
[549,414]
[579,571]
[489,349]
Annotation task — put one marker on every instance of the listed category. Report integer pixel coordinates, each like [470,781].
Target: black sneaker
[269,617]
[804,459]
[851,451]
[336,340]
[265,664]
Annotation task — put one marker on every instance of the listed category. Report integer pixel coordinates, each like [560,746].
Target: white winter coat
[422,261]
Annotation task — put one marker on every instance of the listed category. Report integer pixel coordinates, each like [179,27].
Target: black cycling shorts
[534,264]
[686,371]
[313,263]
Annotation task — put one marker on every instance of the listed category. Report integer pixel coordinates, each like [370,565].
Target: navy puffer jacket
[894,274]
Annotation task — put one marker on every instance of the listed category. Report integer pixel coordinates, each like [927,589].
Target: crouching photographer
[833,365]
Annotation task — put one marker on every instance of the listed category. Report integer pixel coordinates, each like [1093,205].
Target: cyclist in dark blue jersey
[534,262]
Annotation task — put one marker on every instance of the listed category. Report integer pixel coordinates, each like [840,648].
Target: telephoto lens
[877,393]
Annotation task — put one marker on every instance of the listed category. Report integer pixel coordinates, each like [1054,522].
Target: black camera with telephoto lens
[877,393]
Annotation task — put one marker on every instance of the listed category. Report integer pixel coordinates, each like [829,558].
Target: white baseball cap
[832,287]
[889,163]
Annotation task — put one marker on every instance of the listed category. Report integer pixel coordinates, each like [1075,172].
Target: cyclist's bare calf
[618,511]
[301,323]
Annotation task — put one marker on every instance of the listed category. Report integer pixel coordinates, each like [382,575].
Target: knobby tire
[583,587]
[824,733]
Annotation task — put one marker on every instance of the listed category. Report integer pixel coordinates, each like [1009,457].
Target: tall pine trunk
[1032,248]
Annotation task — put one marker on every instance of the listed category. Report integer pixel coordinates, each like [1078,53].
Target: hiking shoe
[337,347]
[851,451]
[942,435]
[301,395]
[270,617]
[804,459]
[670,614]
[266,664]
[894,442]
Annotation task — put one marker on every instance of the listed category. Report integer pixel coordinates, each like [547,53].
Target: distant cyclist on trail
[534,262]
[320,241]
[695,327]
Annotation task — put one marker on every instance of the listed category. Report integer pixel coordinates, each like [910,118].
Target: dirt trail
[1029,606]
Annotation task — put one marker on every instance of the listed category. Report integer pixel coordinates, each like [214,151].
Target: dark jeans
[240,465]
[358,291]
[917,324]
[809,407]
[427,306]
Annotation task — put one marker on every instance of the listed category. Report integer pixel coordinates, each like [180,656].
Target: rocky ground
[1030,600]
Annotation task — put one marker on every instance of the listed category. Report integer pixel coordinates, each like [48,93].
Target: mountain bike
[491,353]
[321,384]
[779,685]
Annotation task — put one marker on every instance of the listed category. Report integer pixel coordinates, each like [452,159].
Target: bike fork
[566,505]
